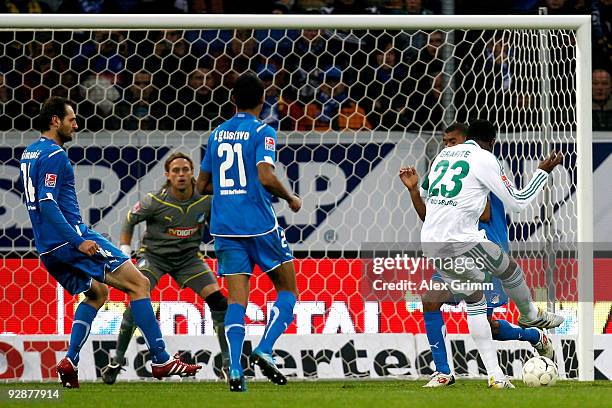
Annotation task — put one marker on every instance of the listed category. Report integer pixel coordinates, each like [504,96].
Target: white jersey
[455,193]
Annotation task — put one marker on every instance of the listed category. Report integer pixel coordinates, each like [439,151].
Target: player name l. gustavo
[229,135]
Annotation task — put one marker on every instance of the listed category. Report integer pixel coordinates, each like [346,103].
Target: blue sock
[508,331]
[144,317]
[281,317]
[433,326]
[83,317]
[234,332]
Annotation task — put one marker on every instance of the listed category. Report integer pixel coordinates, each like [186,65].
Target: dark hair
[458,127]
[54,106]
[173,157]
[482,130]
[248,91]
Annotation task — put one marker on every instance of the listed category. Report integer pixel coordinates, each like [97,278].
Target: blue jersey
[242,206]
[47,174]
[496,229]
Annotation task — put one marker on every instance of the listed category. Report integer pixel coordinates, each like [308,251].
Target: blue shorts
[240,255]
[495,298]
[74,270]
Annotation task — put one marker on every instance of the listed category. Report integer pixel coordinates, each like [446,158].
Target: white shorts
[465,273]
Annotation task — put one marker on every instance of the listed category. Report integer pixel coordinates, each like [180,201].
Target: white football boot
[500,383]
[439,379]
[544,347]
[544,320]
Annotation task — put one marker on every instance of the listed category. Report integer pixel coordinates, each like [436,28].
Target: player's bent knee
[133,282]
[509,270]
[97,295]
[143,284]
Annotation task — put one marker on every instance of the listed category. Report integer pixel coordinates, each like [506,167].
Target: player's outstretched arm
[270,182]
[410,178]
[490,172]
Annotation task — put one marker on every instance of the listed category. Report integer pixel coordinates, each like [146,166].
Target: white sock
[516,288]
[480,330]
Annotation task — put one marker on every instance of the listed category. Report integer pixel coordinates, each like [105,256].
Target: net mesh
[351,107]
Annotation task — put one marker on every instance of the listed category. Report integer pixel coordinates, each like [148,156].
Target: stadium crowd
[316,79]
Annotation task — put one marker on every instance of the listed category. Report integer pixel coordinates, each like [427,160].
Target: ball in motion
[540,372]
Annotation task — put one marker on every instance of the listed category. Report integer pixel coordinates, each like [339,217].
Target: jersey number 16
[28,186]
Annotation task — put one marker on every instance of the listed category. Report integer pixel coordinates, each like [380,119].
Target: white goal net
[351,106]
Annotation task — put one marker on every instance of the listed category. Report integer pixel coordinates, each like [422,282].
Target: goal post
[575,127]
[584,188]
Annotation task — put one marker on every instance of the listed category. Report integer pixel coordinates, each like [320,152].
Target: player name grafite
[229,135]
[455,153]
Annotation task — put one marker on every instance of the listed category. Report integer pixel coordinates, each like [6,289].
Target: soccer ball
[540,371]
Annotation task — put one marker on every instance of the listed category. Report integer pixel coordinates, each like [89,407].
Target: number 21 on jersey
[229,151]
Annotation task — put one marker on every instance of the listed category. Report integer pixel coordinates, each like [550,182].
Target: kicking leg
[513,282]
[131,281]
[503,330]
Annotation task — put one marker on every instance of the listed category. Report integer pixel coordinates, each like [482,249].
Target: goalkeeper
[174,217]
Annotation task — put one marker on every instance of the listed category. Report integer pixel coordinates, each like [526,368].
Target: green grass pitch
[319,394]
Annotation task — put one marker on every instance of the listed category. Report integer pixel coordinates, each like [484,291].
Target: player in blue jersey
[238,168]
[80,259]
[493,223]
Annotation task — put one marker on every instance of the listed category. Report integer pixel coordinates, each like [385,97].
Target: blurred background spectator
[602,100]
[140,107]
[24,6]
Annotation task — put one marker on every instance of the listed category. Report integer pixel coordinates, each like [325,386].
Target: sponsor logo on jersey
[50,179]
[182,232]
[269,143]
